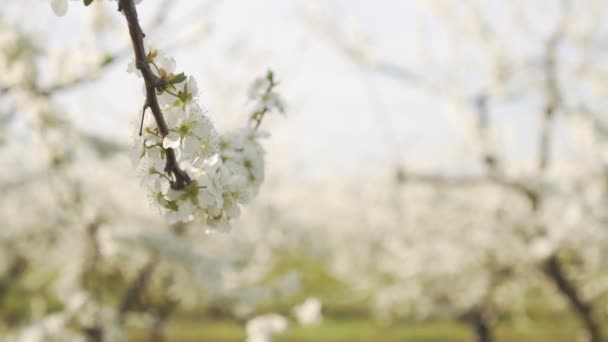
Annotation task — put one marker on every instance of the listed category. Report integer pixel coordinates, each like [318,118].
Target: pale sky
[340,119]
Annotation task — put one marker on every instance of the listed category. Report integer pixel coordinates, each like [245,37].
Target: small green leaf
[270,76]
[179,78]
[107,59]
[87,2]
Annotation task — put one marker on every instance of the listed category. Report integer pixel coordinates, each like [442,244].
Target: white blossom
[309,312]
[263,328]
[225,171]
[60,7]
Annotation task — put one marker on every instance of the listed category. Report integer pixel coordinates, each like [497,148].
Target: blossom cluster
[263,328]
[223,171]
[191,171]
[309,312]
[264,98]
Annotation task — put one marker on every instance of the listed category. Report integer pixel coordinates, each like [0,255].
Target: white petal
[171,141]
[132,69]
[168,63]
[60,7]
[192,86]
[191,145]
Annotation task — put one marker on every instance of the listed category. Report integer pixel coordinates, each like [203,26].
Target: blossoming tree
[481,70]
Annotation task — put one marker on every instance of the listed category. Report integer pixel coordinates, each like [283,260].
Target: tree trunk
[132,295]
[157,330]
[482,325]
[94,334]
[553,269]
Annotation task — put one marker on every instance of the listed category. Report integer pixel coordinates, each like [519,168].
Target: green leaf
[87,2]
[270,76]
[179,78]
[107,59]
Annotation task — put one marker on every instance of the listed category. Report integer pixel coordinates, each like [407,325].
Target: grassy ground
[360,330]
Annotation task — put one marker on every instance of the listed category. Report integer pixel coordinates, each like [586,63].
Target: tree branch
[554,269]
[152,83]
[489,158]
[133,294]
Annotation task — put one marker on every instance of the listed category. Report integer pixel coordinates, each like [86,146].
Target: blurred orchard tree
[469,240]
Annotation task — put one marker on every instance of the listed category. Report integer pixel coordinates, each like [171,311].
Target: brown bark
[482,325]
[153,83]
[554,270]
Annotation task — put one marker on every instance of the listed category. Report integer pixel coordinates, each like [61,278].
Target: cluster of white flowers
[263,328]
[17,65]
[264,97]
[224,171]
[309,312]
[192,172]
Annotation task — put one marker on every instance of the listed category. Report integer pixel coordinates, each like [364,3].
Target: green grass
[347,320]
[191,330]
[363,330]
[360,330]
